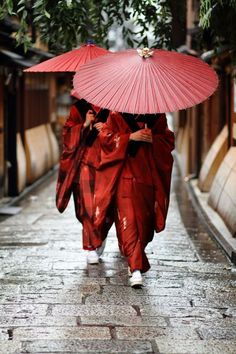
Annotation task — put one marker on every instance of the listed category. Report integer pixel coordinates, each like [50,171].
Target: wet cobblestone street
[51,301]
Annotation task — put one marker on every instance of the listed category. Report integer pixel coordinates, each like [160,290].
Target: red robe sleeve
[71,136]
[113,141]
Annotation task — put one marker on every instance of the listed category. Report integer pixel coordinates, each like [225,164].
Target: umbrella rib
[107,84]
[188,64]
[182,80]
[202,79]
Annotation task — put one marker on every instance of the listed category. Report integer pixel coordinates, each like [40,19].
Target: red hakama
[137,184]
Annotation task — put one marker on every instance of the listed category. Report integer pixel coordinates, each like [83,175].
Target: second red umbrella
[69,61]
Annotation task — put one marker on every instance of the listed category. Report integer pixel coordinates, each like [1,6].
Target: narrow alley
[53,302]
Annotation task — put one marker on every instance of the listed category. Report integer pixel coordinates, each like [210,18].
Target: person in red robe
[134,177]
[79,160]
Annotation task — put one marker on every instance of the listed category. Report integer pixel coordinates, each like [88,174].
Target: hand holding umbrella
[98,126]
[89,119]
[144,135]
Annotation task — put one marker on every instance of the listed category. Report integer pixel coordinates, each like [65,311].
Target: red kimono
[79,161]
[135,179]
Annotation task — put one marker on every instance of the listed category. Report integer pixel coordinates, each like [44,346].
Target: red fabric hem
[89,248]
[92,248]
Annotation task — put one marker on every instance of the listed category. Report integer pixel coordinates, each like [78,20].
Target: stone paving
[52,302]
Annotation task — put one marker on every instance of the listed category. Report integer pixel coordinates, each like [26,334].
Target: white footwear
[100,249]
[92,257]
[136,281]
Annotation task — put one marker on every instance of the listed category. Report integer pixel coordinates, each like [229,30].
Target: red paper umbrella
[145,81]
[70,61]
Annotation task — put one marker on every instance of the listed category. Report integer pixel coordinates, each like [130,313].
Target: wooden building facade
[28,147]
[206,133]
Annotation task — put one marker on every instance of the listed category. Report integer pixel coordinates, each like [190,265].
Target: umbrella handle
[145,126]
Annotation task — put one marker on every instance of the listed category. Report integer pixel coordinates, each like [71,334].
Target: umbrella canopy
[70,61]
[145,81]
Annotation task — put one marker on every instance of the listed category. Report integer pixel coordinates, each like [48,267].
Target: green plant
[64,24]
[217,18]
